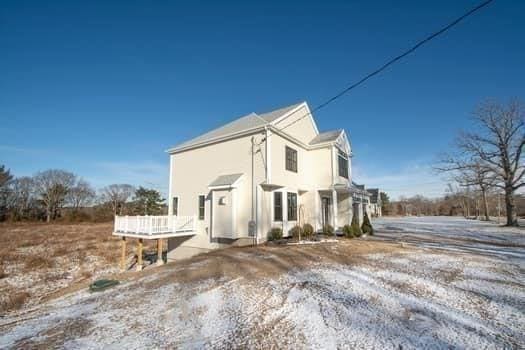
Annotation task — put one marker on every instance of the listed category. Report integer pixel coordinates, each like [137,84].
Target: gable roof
[247,122]
[276,114]
[326,136]
[253,121]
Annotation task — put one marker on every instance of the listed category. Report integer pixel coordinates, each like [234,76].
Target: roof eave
[174,150]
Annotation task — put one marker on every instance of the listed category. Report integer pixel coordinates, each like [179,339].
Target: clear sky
[103,88]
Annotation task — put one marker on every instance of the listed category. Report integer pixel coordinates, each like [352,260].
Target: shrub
[328,230]
[296,232]
[275,234]
[347,230]
[308,230]
[367,225]
[356,230]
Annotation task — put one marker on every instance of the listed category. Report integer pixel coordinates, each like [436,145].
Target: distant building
[375,202]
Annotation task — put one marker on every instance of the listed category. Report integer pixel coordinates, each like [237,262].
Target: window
[291,159]
[277,206]
[175,207]
[201,207]
[292,206]
[343,164]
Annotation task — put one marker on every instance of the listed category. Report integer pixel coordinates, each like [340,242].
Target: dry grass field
[429,282]
[38,260]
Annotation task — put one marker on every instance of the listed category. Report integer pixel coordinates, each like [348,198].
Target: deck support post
[139,255]
[160,261]
[123,254]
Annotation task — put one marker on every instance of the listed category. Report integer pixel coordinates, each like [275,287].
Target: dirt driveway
[417,283]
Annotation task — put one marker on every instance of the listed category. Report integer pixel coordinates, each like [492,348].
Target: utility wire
[392,61]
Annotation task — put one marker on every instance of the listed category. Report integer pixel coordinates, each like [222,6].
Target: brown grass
[37,262]
[41,255]
[14,301]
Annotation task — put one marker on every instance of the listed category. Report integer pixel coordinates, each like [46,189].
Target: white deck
[154,227]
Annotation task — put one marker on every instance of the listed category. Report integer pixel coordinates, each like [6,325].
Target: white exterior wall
[192,171]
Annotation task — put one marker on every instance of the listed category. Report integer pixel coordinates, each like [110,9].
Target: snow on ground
[409,298]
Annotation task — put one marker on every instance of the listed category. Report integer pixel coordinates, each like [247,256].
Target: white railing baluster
[152,225]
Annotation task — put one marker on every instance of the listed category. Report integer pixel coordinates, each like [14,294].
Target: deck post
[160,261]
[123,254]
[139,255]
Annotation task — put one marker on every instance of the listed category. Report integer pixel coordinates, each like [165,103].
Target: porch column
[317,211]
[123,254]
[160,262]
[139,255]
[334,209]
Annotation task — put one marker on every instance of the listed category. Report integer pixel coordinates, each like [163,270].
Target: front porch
[336,206]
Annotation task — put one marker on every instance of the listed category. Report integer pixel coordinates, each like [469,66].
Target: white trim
[212,216]
[246,132]
[334,209]
[170,187]
[234,213]
[293,111]
[285,224]
[268,156]
[158,236]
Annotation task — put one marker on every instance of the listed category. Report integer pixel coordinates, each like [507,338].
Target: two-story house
[232,185]
[257,172]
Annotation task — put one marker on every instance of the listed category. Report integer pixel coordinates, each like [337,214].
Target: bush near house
[308,231]
[296,232]
[367,225]
[275,233]
[356,230]
[328,230]
[347,230]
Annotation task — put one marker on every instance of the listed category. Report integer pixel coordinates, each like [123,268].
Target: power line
[392,61]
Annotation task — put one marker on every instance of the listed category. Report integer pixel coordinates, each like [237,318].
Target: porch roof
[226,180]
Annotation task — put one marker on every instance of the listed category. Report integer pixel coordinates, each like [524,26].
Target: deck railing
[152,225]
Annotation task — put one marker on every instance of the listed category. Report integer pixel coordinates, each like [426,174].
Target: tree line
[456,202]
[58,194]
[488,158]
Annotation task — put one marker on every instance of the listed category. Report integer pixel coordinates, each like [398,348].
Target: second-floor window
[343,164]
[291,159]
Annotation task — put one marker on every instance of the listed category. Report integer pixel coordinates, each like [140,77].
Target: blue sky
[102,88]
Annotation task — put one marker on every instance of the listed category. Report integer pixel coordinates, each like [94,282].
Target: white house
[231,185]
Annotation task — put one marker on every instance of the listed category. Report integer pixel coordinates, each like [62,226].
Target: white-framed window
[291,159]
[277,206]
[175,206]
[342,160]
[202,207]
[292,206]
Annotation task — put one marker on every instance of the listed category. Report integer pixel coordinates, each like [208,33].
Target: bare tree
[21,197]
[498,144]
[117,195]
[81,194]
[5,179]
[467,172]
[52,186]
